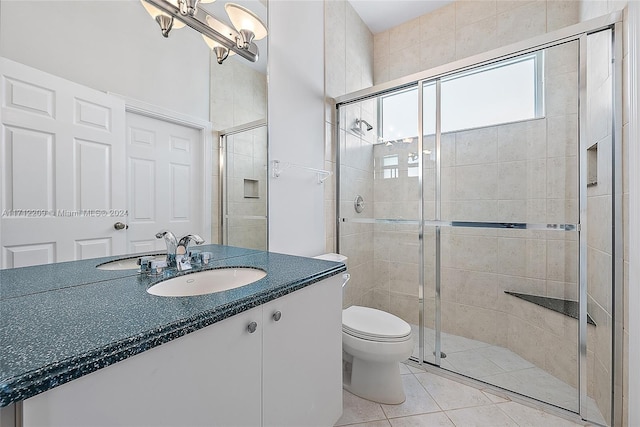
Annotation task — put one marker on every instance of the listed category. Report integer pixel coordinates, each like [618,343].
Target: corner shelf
[563,306]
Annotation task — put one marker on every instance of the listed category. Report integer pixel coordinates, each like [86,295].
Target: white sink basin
[207,282]
[127,263]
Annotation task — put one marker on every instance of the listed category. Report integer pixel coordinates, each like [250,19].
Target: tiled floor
[504,368]
[433,400]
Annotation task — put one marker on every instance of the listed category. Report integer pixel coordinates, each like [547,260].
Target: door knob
[120,226]
[277,315]
[252,327]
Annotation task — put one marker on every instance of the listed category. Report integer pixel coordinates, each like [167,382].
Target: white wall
[296,126]
[112,46]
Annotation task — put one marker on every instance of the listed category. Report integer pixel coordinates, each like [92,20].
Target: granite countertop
[61,321]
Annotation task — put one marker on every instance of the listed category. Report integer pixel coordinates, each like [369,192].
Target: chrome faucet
[178,250]
[172,244]
[183,258]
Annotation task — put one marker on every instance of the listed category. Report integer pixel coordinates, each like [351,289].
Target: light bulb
[243,19]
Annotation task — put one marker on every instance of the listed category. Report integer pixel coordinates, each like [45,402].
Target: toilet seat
[374,325]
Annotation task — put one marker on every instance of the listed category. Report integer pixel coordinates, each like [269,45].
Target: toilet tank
[334,257]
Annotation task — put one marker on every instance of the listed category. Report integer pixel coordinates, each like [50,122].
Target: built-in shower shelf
[567,307]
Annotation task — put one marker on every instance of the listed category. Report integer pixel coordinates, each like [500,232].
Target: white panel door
[62,179]
[166,181]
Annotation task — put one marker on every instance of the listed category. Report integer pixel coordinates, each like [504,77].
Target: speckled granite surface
[56,330]
[17,282]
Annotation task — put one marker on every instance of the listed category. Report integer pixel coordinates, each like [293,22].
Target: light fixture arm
[208,25]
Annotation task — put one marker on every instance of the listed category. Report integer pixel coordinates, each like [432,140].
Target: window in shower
[494,94]
[507,92]
[398,117]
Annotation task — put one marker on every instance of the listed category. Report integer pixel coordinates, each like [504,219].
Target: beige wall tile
[562,135]
[562,13]
[405,35]
[560,94]
[477,37]
[434,24]
[381,45]
[521,140]
[404,61]
[468,12]
[522,22]
[439,50]
[476,182]
[478,146]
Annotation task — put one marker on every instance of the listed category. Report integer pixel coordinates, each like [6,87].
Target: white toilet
[374,343]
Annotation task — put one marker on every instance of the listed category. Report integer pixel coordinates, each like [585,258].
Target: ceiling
[380,15]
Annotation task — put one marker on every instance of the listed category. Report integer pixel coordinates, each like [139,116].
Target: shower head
[359,123]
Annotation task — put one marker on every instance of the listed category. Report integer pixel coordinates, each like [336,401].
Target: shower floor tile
[503,368]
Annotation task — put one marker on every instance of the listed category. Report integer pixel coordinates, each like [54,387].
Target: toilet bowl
[374,343]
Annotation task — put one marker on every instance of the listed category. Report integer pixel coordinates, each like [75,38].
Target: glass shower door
[379,211]
[508,166]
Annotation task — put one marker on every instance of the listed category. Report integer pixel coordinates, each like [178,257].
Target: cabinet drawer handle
[252,327]
[277,315]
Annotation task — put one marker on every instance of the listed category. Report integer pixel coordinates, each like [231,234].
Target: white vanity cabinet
[285,373]
[302,353]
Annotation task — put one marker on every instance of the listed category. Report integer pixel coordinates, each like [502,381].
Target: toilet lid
[375,325]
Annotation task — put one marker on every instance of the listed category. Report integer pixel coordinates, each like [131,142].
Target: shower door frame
[223,232]
[574,33]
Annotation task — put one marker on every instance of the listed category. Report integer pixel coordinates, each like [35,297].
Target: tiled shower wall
[462,29]
[348,67]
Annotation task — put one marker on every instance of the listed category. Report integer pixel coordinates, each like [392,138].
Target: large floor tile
[357,410]
[473,364]
[450,394]
[504,358]
[418,400]
[438,419]
[480,416]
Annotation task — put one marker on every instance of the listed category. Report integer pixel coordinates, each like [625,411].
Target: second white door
[166,181]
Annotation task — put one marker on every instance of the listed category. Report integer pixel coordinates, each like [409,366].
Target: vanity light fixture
[221,39]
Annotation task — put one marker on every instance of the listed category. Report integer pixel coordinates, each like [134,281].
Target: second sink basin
[207,282]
